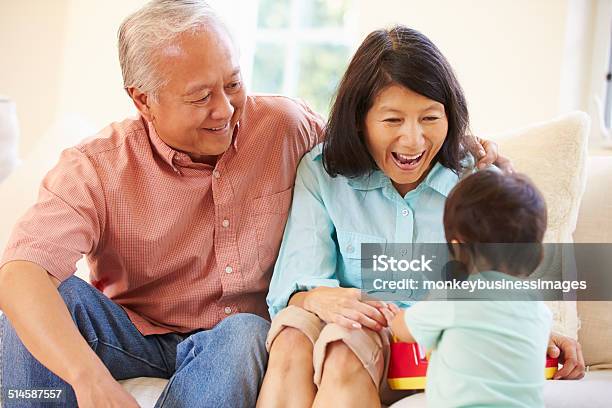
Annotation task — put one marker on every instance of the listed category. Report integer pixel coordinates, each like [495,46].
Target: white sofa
[577,191]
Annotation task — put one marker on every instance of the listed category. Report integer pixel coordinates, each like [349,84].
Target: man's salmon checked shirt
[179,245]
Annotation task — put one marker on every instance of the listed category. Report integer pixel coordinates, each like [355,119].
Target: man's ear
[142,103]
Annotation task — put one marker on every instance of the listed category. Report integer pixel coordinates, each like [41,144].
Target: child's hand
[388,310]
[397,324]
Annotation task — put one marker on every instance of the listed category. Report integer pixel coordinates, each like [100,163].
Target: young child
[486,353]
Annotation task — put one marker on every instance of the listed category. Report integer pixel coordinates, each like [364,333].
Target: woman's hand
[344,306]
[570,355]
[486,153]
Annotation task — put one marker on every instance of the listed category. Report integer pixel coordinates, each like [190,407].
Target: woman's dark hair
[488,209]
[401,56]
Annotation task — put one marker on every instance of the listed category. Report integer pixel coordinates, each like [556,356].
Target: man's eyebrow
[200,87]
[196,88]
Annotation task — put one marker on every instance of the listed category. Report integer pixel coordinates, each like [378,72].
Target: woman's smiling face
[404,131]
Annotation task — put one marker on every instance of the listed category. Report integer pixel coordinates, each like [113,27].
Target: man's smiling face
[198,108]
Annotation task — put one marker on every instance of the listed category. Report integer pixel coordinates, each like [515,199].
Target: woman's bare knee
[291,346]
[341,363]
[291,340]
[289,366]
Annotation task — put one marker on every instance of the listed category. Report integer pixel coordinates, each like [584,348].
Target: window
[302,48]
[298,48]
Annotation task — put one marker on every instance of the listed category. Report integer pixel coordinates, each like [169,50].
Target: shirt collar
[168,154]
[440,179]
[376,179]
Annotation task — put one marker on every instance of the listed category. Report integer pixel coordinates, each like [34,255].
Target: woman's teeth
[406,159]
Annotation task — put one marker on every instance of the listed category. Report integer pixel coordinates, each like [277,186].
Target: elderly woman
[395,147]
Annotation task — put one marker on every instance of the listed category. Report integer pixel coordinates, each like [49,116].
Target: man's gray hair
[153,26]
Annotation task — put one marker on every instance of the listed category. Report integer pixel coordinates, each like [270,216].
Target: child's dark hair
[401,56]
[490,207]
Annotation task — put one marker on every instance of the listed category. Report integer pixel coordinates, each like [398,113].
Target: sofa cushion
[146,390]
[543,152]
[595,215]
[553,154]
[595,225]
[595,333]
[594,388]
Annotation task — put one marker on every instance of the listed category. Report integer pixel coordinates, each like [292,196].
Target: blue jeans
[220,367]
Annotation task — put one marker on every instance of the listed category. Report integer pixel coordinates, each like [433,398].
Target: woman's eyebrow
[435,105]
[384,109]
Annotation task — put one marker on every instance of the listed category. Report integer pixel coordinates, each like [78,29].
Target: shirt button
[229,269]
[405,212]
[228,310]
[225,223]
[349,248]
[216,174]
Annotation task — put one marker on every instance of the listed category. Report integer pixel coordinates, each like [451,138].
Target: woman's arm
[305,270]
[307,256]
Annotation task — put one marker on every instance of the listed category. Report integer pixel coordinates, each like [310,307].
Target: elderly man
[180,213]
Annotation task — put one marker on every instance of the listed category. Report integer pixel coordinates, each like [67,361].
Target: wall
[519,61]
[91,85]
[32,36]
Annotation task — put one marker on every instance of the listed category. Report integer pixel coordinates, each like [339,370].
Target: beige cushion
[146,390]
[553,154]
[595,216]
[595,225]
[595,333]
